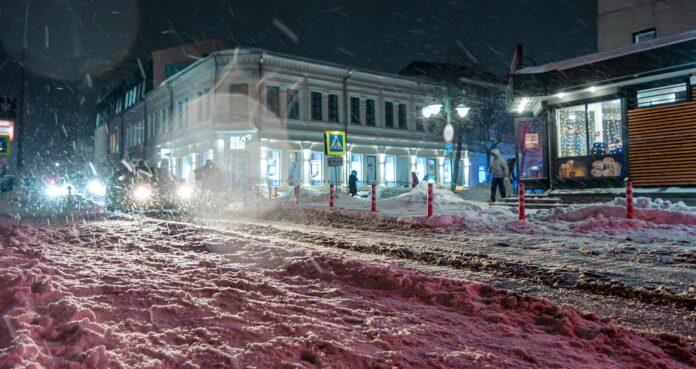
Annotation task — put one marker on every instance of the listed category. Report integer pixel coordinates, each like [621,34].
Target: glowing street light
[432,109]
[462,110]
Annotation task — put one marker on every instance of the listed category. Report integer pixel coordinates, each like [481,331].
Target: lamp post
[462,111]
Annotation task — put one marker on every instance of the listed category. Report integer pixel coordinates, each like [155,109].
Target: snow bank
[655,219]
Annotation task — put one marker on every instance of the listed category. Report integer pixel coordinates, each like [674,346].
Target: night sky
[77,48]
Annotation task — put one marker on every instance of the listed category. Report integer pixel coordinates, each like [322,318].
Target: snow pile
[654,219]
[87,296]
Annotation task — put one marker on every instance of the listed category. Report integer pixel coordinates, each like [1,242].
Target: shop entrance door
[371,173]
[238,167]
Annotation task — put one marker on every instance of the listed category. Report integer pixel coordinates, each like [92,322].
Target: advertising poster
[530,149]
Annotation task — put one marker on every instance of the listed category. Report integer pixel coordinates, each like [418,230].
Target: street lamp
[462,110]
[432,109]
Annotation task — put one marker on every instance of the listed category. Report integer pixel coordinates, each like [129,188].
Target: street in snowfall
[303,184]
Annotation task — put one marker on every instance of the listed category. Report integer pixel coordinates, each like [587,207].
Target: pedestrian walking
[499,171]
[353,183]
[414,179]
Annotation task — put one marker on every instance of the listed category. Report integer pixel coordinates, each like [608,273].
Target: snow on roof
[611,54]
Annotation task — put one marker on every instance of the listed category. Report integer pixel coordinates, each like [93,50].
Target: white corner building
[260,116]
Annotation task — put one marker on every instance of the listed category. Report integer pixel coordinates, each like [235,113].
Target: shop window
[662,95]
[421,169]
[333,108]
[432,168]
[316,169]
[370,112]
[293,104]
[371,170]
[604,122]
[590,140]
[390,171]
[273,99]
[572,131]
[273,168]
[294,168]
[389,114]
[644,35]
[447,171]
[355,110]
[316,106]
[482,174]
[403,171]
[356,164]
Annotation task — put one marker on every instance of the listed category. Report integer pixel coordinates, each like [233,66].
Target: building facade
[624,22]
[261,117]
[591,122]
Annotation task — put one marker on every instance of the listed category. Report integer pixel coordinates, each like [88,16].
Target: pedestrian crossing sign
[335,143]
[5,145]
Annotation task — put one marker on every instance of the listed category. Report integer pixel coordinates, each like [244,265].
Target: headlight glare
[184,192]
[142,193]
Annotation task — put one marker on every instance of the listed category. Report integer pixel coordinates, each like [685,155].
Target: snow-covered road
[648,288]
[154,294]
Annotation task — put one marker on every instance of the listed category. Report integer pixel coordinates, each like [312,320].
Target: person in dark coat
[353,183]
[414,179]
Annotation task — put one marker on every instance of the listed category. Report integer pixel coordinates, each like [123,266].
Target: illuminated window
[644,35]
[662,95]
[583,126]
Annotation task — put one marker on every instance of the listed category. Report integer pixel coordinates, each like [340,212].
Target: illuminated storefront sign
[7,128]
[5,145]
[240,142]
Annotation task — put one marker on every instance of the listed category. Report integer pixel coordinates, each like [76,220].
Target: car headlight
[96,188]
[184,192]
[142,193]
[57,190]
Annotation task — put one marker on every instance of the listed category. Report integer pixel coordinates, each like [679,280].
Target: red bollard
[297,194]
[630,213]
[374,198]
[521,201]
[430,200]
[331,195]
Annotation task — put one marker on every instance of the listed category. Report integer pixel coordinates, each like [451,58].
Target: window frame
[402,124]
[333,114]
[316,108]
[676,100]
[273,106]
[374,112]
[389,121]
[355,115]
[645,31]
[586,103]
[292,105]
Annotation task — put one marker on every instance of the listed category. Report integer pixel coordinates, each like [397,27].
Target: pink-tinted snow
[127,294]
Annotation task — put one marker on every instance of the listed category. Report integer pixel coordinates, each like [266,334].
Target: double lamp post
[449,132]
